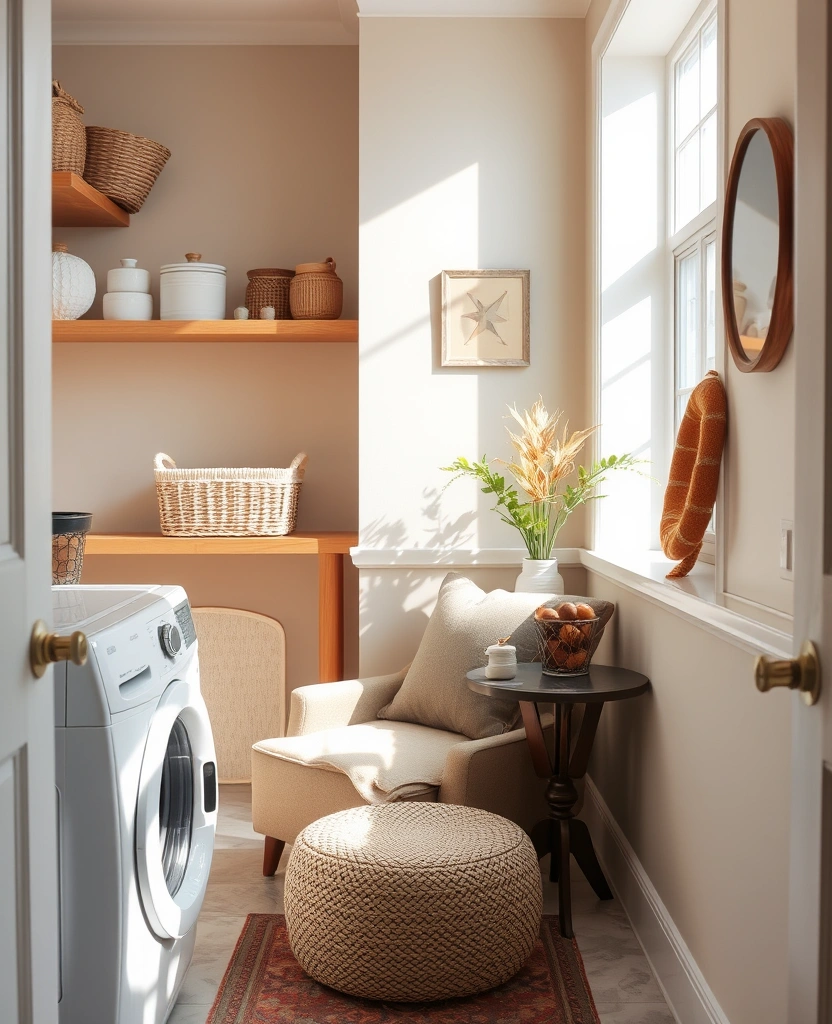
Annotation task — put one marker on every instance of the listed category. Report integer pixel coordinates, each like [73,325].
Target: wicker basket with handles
[69,140]
[228,502]
[269,287]
[123,166]
[316,292]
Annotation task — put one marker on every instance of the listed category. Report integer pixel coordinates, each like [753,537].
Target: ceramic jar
[192,290]
[128,293]
[316,292]
[73,284]
[128,278]
[502,661]
[539,576]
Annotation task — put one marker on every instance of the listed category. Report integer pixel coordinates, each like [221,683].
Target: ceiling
[276,22]
[651,27]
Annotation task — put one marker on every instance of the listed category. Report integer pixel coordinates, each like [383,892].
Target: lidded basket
[269,286]
[316,292]
[69,139]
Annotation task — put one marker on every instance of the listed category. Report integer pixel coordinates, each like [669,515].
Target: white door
[810,892]
[28,858]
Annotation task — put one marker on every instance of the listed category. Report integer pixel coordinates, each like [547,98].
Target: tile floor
[619,975]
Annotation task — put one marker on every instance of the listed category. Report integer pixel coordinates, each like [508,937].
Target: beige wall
[697,774]
[759,457]
[471,155]
[264,172]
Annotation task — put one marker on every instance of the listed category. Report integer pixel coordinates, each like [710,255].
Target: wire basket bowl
[566,647]
[69,536]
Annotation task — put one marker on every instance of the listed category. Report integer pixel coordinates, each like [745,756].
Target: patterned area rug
[264,984]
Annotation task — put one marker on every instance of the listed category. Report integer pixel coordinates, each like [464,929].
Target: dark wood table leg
[584,853]
[562,796]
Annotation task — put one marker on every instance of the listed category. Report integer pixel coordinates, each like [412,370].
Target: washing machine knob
[171,639]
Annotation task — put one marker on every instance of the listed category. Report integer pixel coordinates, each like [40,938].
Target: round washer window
[176,804]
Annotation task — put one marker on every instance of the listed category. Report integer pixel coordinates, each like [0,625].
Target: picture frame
[485,317]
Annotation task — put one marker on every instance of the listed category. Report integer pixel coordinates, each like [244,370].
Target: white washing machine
[137,802]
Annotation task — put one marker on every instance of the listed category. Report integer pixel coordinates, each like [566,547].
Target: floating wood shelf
[156,544]
[287,331]
[330,549]
[75,204]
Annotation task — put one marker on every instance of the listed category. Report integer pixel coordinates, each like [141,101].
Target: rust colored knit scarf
[694,474]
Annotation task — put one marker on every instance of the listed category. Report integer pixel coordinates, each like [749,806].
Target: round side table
[562,832]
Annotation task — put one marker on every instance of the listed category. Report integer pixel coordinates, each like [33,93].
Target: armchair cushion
[465,621]
[383,760]
[349,702]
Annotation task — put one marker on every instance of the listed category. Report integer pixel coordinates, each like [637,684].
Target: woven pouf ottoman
[411,902]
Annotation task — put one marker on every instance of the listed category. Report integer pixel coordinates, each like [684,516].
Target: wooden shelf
[336,543]
[143,331]
[329,548]
[75,204]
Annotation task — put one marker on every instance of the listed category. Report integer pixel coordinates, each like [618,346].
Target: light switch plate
[786,549]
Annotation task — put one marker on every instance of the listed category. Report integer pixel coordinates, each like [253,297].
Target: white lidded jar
[73,284]
[502,661]
[128,278]
[192,290]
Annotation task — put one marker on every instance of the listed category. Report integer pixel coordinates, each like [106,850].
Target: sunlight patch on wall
[629,187]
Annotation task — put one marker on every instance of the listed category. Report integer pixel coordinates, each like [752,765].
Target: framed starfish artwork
[485,317]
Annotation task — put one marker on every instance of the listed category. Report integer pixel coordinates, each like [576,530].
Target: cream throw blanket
[384,760]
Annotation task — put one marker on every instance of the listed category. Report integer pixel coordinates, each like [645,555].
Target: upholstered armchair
[338,754]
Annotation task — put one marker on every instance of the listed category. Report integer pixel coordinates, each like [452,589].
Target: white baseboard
[687,993]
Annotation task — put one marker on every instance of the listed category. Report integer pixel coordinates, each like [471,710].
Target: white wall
[471,156]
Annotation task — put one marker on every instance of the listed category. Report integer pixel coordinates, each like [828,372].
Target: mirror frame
[780,330]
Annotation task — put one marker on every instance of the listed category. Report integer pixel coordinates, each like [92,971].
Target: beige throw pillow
[465,621]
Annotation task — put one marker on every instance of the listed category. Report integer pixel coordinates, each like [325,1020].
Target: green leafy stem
[540,522]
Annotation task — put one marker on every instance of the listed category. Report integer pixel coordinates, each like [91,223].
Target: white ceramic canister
[192,290]
[128,306]
[128,278]
[502,661]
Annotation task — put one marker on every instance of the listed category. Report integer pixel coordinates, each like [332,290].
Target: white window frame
[697,232]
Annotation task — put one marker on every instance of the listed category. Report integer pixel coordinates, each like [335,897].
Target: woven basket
[228,502]
[316,292]
[69,140]
[123,166]
[269,287]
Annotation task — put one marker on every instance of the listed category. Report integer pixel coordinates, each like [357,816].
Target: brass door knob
[801,673]
[46,648]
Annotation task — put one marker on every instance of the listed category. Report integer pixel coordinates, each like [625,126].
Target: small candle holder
[502,660]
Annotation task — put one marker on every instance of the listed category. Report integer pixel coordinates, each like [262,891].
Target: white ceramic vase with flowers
[543,463]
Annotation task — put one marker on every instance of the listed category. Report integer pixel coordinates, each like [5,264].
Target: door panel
[28,853]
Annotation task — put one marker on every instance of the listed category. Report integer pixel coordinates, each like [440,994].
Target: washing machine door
[176,812]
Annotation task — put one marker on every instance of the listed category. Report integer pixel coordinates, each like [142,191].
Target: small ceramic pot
[128,278]
[502,661]
[128,306]
[192,290]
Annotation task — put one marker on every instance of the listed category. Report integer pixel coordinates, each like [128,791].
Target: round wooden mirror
[757,245]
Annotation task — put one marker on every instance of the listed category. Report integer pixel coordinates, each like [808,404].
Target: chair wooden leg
[272,852]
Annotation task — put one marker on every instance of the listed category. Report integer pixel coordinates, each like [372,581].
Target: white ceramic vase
[73,284]
[539,576]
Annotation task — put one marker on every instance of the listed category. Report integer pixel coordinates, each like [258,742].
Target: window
[693,172]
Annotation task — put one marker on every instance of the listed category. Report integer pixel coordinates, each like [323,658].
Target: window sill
[693,597]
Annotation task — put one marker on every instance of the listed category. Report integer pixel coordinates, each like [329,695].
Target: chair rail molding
[473,8]
[425,558]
